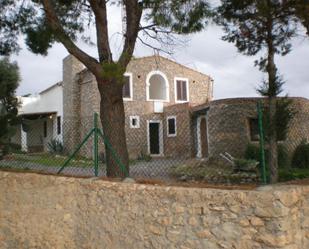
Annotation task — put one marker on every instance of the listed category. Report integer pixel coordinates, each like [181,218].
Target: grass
[46,159]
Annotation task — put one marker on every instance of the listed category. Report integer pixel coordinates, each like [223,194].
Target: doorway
[155,139]
[202,135]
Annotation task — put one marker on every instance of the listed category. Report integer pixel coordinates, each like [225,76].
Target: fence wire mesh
[177,146]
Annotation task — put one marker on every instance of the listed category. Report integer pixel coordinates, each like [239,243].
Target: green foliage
[182,17]
[9,79]
[55,146]
[247,24]
[284,115]
[76,17]
[253,152]
[293,174]
[301,156]
[112,71]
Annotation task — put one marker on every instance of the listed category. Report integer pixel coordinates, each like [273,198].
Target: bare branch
[133,16]
[54,22]
[154,47]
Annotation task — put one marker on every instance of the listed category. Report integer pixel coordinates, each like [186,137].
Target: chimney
[71,102]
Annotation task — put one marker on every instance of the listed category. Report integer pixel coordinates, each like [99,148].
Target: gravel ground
[154,169]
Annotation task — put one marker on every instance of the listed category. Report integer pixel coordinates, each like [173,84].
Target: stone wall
[82,99]
[229,130]
[39,211]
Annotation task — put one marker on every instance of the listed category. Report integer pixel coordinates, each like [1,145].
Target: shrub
[55,146]
[301,156]
[253,153]
[144,157]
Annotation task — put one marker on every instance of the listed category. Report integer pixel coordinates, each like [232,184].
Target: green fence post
[95,145]
[262,145]
[75,151]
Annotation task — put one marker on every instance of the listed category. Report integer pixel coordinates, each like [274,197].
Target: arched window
[157,86]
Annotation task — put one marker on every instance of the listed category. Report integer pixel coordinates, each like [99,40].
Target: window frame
[130,75]
[175,89]
[167,126]
[137,126]
[167,87]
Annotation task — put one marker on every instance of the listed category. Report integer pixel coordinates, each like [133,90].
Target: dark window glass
[134,122]
[254,129]
[182,90]
[171,126]
[126,91]
[59,125]
[45,128]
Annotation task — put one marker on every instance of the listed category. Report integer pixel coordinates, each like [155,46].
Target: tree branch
[133,16]
[55,24]
[99,10]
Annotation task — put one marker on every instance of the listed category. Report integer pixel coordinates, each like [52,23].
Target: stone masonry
[39,211]
[229,130]
[87,98]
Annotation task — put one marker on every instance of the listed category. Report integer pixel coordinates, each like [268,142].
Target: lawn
[46,159]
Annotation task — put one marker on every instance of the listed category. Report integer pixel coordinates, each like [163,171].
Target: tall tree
[264,26]
[47,21]
[9,79]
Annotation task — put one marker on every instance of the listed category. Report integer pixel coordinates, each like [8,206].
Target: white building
[42,117]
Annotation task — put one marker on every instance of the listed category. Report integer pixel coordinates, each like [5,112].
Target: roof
[51,87]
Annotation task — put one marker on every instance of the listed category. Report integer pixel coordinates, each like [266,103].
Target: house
[169,110]
[42,117]
[158,96]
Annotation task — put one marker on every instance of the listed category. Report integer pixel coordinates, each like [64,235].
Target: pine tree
[267,27]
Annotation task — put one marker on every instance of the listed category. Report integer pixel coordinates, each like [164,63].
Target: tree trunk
[273,146]
[113,122]
[272,103]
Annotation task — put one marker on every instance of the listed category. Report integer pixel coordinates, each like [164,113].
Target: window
[171,127]
[45,128]
[181,90]
[157,87]
[134,122]
[59,125]
[254,129]
[127,90]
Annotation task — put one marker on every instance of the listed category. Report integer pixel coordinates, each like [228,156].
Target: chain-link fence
[165,147]
[220,144]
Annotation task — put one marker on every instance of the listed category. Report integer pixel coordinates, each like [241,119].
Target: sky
[234,74]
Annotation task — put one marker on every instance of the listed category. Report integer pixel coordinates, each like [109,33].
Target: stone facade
[82,99]
[229,129]
[48,212]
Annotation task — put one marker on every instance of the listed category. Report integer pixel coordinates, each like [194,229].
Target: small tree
[266,26]
[9,79]
[45,22]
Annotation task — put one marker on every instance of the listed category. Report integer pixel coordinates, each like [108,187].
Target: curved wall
[229,131]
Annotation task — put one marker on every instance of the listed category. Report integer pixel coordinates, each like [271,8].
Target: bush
[293,174]
[301,156]
[253,153]
[55,146]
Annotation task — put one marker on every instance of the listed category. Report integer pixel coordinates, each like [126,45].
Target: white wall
[49,101]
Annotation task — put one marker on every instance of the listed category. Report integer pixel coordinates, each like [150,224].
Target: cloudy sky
[234,74]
